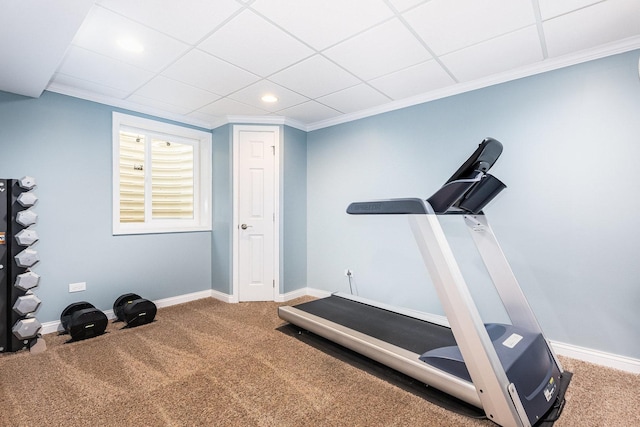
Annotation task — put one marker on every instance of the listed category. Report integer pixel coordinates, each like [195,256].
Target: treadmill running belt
[417,336]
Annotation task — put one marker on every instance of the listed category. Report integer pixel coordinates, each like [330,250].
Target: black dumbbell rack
[19,329]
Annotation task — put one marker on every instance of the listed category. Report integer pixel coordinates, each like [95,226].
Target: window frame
[202,196]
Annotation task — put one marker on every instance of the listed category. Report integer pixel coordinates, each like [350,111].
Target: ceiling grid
[209,63]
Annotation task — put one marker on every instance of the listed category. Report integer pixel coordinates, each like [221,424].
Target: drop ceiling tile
[158,105]
[315,77]
[323,23]
[252,96]
[402,5]
[494,56]
[255,45]
[92,67]
[102,29]
[447,25]
[381,50]
[592,26]
[63,80]
[229,107]
[354,99]
[34,37]
[552,8]
[188,23]
[310,112]
[414,80]
[175,93]
[207,72]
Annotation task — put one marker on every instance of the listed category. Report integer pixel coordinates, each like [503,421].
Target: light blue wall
[222,237]
[65,143]
[294,210]
[567,221]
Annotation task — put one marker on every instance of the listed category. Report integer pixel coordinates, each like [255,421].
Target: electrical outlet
[77,287]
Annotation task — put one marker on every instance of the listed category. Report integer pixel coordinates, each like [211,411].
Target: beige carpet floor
[208,363]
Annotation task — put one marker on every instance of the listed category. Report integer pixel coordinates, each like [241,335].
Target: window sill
[125,231]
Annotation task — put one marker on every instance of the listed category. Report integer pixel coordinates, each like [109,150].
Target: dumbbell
[27,199]
[26,237]
[26,304]
[26,328]
[27,182]
[82,320]
[134,310]
[26,281]
[27,258]
[26,218]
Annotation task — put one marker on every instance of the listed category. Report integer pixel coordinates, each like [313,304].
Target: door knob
[244,226]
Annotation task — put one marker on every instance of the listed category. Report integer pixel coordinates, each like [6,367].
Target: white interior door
[256,211]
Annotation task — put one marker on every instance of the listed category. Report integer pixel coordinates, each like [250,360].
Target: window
[161,177]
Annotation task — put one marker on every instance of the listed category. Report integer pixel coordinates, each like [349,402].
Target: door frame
[235,297]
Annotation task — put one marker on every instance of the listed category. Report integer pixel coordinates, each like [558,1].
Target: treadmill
[507,370]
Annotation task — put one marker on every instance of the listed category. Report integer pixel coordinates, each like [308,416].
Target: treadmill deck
[415,335]
[393,339]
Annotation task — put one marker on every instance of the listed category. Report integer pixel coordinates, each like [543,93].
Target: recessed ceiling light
[130,45]
[269,98]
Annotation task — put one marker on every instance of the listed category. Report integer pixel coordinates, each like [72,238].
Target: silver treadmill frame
[490,388]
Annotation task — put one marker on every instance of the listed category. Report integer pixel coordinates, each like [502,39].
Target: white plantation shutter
[131,177]
[172,179]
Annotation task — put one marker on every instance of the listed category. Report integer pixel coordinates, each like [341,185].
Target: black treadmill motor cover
[525,359]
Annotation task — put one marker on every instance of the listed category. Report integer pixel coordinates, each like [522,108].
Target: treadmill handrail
[408,206]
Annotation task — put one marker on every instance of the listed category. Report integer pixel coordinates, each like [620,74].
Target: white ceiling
[209,62]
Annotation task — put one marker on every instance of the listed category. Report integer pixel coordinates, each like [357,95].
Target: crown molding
[126,105]
[266,120]
[552,64]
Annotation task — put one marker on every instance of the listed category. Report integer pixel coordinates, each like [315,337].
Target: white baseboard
[291,295]
[318,293]
[181,299]
[223,297]
[302,293]
[50,327]
[597,357]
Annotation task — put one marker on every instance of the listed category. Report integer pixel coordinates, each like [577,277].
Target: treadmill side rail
[477,350]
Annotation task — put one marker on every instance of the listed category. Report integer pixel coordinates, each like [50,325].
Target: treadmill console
[467,191]
[470,188]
